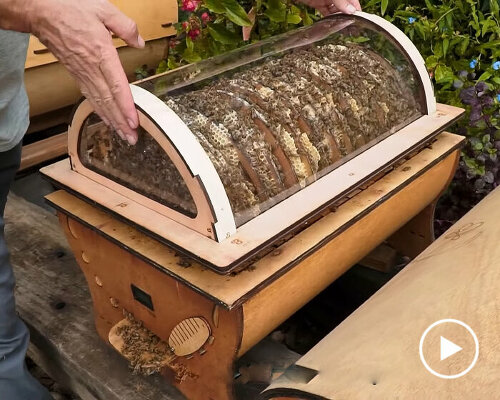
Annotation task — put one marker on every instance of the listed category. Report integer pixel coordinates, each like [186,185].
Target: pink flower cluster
[190,5]
[194,33]
[205,17]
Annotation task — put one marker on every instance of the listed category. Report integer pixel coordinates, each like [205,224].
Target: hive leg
[417,234]
[163,304]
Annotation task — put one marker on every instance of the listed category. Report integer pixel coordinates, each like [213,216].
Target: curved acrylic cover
[273,117]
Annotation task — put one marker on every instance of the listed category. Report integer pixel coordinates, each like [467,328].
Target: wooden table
[374,353]
[239,310]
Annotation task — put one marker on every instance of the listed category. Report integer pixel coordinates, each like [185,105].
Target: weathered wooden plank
[53,299]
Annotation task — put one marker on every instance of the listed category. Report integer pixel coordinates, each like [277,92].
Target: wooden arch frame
[214,217]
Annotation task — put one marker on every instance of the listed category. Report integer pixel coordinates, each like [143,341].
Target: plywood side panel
[374,353]
[115,276]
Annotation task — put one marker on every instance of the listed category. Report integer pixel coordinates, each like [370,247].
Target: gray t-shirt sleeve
[14,106]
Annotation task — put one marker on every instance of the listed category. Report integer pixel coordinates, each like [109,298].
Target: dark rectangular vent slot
[142,297]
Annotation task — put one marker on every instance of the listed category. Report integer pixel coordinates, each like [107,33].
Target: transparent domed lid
[263,122]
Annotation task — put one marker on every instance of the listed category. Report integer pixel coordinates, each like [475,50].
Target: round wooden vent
[189,336]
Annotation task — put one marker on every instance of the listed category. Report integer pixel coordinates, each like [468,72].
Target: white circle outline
[443,321]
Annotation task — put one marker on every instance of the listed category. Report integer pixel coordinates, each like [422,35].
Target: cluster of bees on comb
[144,167]
[271,128]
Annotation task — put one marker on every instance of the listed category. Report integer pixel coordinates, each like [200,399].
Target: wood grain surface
[374,354]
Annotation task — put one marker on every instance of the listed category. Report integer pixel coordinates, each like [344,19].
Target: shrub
[459,39]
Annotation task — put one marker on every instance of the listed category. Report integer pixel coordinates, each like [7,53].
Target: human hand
[327,7]
[78,34]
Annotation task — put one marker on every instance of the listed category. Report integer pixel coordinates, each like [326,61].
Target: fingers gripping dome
[237,150]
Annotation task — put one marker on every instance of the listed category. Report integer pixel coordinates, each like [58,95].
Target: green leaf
[438,49]
[485,76]
[189,43]
[276,11]
[496,79]
[162,67]
[430,6]
[446,44]
[236,13]
[462,48]
[307,18]
[444,74]
[190,56]
[383,6]
[470,162]
[432,61]
[172,64]
[215,6]
[420,30]
[275,15]
[293,19]
[221,34]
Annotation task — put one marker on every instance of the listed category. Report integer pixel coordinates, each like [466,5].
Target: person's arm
[326,7]
[78,34]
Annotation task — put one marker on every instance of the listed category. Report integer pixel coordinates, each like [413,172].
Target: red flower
[190,5]
[205,17]
[185,25]
[194,33]
[172,43]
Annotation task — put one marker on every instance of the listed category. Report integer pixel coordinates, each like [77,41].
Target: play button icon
[448,348]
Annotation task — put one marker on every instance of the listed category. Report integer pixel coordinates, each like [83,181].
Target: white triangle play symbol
[448,348]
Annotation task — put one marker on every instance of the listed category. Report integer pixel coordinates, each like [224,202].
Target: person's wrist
[36,11]
[15,15]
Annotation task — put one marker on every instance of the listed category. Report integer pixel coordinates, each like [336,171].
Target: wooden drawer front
[38,54]
[155,19]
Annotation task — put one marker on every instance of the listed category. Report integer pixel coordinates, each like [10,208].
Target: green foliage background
[459,39]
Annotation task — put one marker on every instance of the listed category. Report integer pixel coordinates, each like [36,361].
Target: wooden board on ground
[375,352]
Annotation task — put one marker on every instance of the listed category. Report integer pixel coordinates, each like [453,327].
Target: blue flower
[473,64]
[411,20]
[498,97]
[496,65]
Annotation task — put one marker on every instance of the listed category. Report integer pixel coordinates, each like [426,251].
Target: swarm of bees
[272,128]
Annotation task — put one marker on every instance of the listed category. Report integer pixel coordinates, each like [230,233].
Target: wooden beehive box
[237,153]
[49,85]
